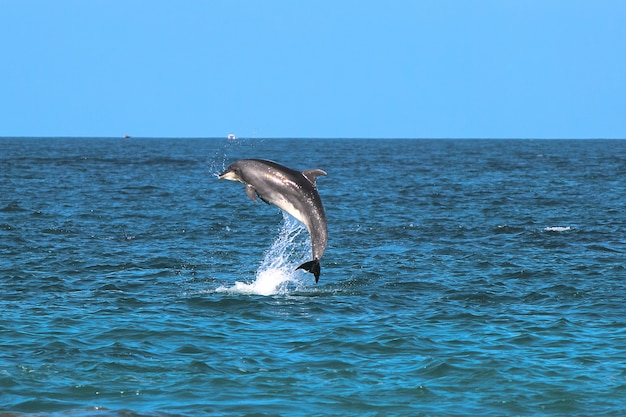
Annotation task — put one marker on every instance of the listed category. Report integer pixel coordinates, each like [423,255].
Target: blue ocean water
[462,277]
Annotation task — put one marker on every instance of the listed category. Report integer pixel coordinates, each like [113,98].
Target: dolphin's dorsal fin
[312,174]
[251,192]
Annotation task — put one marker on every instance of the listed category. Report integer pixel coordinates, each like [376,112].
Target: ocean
[461,277]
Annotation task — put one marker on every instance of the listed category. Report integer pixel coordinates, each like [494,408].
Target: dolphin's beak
[223,174]
[228,175]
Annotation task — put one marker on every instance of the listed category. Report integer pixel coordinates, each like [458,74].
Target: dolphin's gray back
[294,192]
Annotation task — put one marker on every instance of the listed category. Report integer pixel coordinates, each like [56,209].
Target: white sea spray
[277,272]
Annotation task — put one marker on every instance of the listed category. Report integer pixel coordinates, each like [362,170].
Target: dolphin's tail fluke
[313,267]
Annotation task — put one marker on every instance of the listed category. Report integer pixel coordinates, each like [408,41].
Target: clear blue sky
[313,68]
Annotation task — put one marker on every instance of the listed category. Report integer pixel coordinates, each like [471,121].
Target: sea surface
[461,277]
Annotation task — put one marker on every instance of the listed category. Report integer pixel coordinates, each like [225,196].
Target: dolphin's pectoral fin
[312,267]
[251,192]
[312,174]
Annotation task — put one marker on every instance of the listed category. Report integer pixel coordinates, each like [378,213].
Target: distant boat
[126,136]
[231,136]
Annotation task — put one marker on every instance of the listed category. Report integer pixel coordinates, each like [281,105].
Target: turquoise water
[462,277]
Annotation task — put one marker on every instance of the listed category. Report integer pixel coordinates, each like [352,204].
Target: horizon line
[130,137]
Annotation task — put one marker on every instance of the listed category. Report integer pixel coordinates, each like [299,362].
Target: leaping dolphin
[293,192]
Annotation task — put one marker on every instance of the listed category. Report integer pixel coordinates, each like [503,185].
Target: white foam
[268,282]
[277,273]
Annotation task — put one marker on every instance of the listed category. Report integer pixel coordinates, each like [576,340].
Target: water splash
[218,163]
[227,152]
[277,273]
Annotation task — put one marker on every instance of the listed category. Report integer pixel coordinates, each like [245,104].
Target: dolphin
[293,192]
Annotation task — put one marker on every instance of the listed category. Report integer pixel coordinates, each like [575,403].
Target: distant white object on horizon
[558,229]
[231,136]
